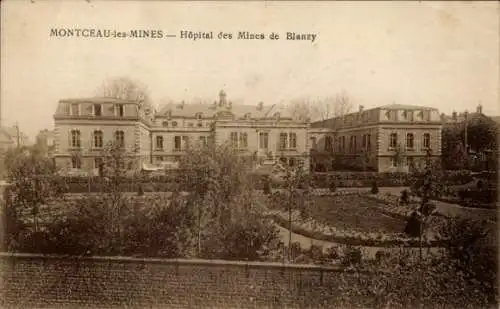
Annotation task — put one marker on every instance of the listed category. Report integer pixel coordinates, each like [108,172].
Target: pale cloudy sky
[437,54]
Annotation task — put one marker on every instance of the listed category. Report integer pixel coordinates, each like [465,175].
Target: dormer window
[168,114]
[74,109]
[97,110]
[405,115]
[119,110]
[165,123]
[198,116]
[421,115]
[247,116]
[276,115]
[174,123]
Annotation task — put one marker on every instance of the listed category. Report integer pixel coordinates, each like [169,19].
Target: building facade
[387,138]
[84,126]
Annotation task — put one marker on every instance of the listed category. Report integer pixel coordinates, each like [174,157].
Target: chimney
[361,108]
[260,106]
[479,109]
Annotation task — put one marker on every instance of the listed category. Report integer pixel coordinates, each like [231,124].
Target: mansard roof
[210,110]
[98,100]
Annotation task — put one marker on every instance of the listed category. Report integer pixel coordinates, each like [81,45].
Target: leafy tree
[321,108]
[374,189]
[125,88]
[221,196]
[32,182]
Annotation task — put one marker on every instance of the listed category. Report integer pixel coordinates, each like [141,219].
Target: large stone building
[386,138]
[84,126]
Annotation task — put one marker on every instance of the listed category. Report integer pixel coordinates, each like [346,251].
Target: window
[76,162]
[75,110]
[198,116]
[313,142]
[409,161]
[342,143]
[98,163]
[165,123]
[98,139]
[283,140]
[185,142]
[204,140]
[352,144]
[159,142]
[291,162]
[368,141]
[293,140]
[234,139]
[119,110]
[409,141]
[159,158]
[75,139]
[393,162]
[177,143]
[328,143]
[199,124]
[263,140]
[174,123]
[393,140]
[97,110]
[243,140]
[120,138]
[427,141]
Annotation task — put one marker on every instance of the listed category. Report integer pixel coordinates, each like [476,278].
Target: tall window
[98,162]
[119,110]
[120,138]
[76,162]
[185,142]
[159,142]
[427,141]
[352,144]
[177,143]
[75,139]
[293,140]
[243,140]
[204,140]
[75,109]
[283,140]
[234,139]
[313,142]
[393,140]
[328,143]
[368,141]
[263,140]
[409,141]
[342,144]
[97,110]
[98,139]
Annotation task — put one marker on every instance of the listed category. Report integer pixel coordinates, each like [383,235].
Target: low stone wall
[35,281]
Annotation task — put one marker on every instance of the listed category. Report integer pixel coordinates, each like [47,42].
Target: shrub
[352,256]
[413,225]
[267,186]
[405,197]
[374,189]
[333,185]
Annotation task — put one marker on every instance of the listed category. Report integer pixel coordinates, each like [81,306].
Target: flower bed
[355,221]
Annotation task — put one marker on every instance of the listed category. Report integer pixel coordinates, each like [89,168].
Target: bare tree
[320,108]
[126,88]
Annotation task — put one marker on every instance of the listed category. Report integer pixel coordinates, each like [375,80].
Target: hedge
[182,180]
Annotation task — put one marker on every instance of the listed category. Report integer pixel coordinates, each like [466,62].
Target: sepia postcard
[249,154]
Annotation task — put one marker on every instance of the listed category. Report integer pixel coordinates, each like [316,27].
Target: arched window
[120,138]
[409,140]
[75,139]
[98,139]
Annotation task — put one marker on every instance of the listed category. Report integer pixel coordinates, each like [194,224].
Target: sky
[439,54]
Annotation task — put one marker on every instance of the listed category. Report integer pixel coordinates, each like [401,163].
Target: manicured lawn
[353,212]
